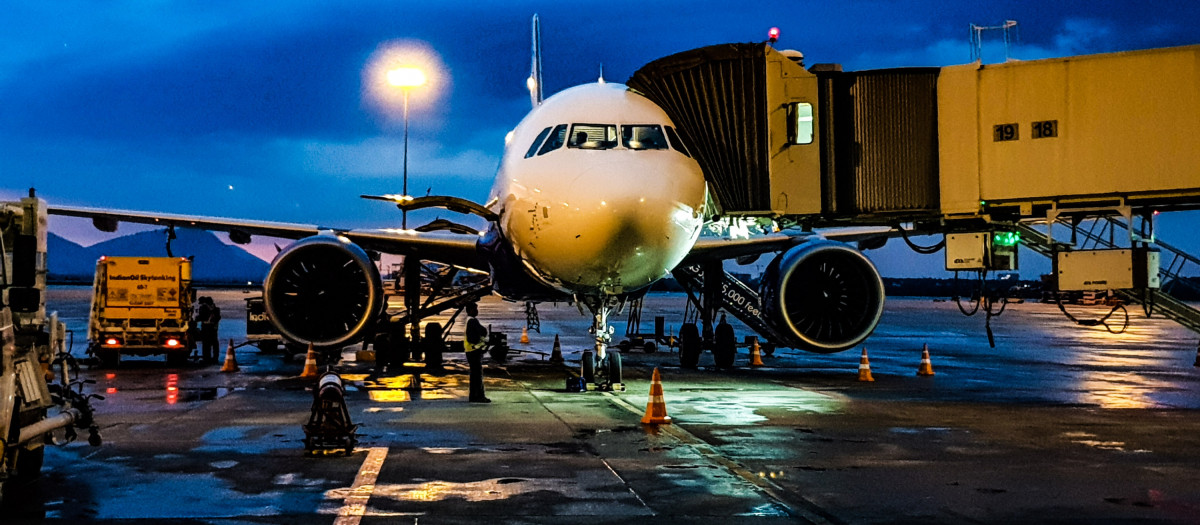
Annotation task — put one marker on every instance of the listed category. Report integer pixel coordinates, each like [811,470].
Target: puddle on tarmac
[1087,439]
[741,408]
[134,493]
[250,439]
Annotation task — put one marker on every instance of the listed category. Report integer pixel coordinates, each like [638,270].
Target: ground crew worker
[474,341]
[726,343]
[209,317]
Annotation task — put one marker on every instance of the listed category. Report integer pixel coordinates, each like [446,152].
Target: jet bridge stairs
[1101,234]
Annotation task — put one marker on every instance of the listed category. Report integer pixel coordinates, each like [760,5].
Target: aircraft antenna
[601,73]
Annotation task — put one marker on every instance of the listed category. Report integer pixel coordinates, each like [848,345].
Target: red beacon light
[112,341]
[773,35]
[172,342]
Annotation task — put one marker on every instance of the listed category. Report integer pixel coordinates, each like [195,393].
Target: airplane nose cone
[630,228]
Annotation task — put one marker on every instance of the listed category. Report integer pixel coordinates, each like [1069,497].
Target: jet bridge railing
[1155,300]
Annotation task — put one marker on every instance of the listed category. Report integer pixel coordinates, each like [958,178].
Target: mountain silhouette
[213,262]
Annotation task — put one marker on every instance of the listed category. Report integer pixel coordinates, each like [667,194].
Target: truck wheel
[177,358]
[108,358]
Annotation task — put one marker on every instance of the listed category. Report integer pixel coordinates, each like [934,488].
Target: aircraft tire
[587,367]
[614,367]
[649,347]
[689,345]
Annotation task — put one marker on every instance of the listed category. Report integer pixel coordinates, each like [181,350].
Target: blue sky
[258,109]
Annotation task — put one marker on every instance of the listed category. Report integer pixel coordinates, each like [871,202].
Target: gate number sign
[1041,129]
[1005,132]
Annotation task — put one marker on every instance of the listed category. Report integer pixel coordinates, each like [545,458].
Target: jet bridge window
[800,123]
[533,148]
[555,141]
[677,142]
[649,136]
[593,136]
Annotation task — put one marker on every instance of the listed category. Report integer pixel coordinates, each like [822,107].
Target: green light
[1006,238]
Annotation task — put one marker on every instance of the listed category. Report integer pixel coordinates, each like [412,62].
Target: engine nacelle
[825,294]
[323,290]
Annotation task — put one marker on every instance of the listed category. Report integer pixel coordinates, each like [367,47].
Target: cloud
[383,157]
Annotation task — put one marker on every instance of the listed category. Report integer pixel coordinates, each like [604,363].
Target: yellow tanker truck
[142,306]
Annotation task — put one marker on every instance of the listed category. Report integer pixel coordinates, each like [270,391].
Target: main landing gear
[601,370]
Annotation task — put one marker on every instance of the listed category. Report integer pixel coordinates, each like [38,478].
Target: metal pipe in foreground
[64,418]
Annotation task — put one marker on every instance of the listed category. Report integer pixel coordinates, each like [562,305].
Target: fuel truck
[40,402]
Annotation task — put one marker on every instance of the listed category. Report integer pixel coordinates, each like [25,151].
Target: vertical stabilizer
[535,76]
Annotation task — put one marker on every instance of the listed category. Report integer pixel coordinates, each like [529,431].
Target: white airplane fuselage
[598,217]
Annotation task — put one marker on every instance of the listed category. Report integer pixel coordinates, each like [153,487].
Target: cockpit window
[537,142]
[555,141]
[643,137]
[676,142]
[593,136]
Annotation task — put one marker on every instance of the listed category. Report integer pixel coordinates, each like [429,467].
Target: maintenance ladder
[1102,234]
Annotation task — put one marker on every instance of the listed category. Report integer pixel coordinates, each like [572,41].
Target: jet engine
[825,294]
[323,290]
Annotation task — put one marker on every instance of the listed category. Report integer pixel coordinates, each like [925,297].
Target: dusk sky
[261,109]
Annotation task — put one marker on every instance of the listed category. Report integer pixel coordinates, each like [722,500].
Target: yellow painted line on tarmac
[355,505]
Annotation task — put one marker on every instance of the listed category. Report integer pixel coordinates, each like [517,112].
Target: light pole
[405,78]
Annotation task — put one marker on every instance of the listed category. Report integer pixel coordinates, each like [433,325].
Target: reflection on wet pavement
[742,407]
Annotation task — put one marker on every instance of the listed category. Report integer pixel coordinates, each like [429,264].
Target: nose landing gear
[601,370]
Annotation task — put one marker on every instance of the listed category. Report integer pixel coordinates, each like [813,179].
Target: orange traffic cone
[926,368]
[230,361]
[556,354]
[656,408]
[755,356]
[524,335]
[864,367]
[310,363]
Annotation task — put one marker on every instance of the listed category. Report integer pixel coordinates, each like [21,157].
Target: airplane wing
[714,248]
[450,248]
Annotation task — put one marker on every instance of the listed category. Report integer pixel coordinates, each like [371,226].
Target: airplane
[596,198]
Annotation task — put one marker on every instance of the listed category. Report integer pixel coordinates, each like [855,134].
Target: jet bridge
[1014,140]
[968,148]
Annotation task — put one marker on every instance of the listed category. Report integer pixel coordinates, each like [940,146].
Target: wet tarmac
[1058,423]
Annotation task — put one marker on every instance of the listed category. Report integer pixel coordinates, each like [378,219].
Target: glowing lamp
[172,342]
[112,341]
[1006,238]
[406,77]
[773,34]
